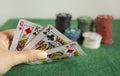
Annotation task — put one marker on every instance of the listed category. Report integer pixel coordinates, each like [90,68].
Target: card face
[67,51]
[63,52]
[48,38]
[36,30]
[23,32]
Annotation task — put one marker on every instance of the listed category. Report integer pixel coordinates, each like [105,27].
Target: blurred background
[49,8]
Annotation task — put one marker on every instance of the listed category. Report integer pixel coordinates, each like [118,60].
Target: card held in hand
[36,30]
[22,34]
[31,36]
[48,38]
[67,51]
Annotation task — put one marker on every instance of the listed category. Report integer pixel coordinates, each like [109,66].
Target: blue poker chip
[72,34]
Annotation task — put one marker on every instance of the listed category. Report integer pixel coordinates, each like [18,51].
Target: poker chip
[72,34]
[85,23]
[92,40]
[103,25]
[63,21]
[80,39]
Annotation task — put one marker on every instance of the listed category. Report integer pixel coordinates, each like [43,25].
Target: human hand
[10,58]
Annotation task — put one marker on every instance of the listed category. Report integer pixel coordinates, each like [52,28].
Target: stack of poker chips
[85,23]
[72,34]
[103,24]
[92,40]
[63,21]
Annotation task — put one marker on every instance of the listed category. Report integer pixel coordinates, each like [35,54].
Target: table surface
[104,61]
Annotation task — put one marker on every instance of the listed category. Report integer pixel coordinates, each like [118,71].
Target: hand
[10,58]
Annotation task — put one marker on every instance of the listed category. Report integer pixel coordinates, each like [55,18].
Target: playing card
[69,50]
[22,34]
[48,38]
[63,52]
[36,30]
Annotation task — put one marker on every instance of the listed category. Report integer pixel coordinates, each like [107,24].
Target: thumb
[28,56]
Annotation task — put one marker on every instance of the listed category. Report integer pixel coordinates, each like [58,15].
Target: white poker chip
[92,40]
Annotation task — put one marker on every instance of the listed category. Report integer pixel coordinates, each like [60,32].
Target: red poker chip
[103,28]
[107,42]
[105,34]
[103,25]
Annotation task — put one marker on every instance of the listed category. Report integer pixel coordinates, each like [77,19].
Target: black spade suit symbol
[34,33]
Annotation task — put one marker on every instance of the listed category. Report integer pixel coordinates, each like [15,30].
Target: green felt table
[104,61]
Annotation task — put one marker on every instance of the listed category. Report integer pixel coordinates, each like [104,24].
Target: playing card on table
[69,50]
[22,34]
[48,38]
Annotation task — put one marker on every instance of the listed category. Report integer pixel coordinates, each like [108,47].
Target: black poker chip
[62,21]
